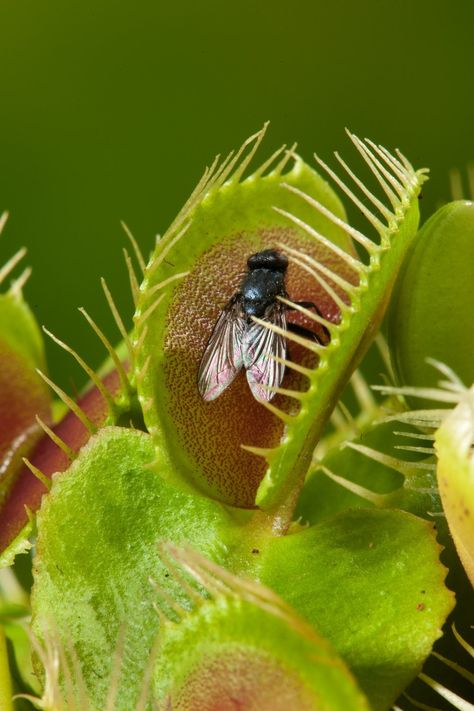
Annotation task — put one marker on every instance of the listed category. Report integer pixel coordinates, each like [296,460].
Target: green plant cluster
[306,551]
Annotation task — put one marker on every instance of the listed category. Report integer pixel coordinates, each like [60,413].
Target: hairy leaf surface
[245,649]
[372,584]
[98,531]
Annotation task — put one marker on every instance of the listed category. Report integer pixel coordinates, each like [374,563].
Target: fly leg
[305,331]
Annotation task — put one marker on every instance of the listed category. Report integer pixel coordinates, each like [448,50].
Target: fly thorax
[260,289]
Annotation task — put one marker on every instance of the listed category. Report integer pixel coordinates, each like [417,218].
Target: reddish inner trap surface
[212,432]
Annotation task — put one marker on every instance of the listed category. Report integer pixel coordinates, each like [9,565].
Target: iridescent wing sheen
[259,345]
[223,357]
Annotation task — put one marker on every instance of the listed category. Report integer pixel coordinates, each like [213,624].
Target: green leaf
[454,446]
[244,648]
[98,531]
[6,691]
[430,314]
[371,584]
[207,246]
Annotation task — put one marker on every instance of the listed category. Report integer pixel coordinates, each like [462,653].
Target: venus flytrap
[141,458]
[299,214]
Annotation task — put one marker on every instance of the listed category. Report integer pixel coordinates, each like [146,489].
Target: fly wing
[259,344]
[222,358]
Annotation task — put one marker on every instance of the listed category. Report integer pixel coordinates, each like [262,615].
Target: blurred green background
[110,110]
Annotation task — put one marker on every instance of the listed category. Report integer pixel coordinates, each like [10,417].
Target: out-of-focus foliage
[110,110]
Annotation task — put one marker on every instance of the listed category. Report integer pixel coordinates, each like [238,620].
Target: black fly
[237,341]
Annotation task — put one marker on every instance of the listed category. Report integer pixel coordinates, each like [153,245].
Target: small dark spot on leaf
[423,592]
[420,196]
[420,606]
[255,551]
[167,575]
[466,511]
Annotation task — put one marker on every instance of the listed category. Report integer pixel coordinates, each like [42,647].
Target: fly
[238,342]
